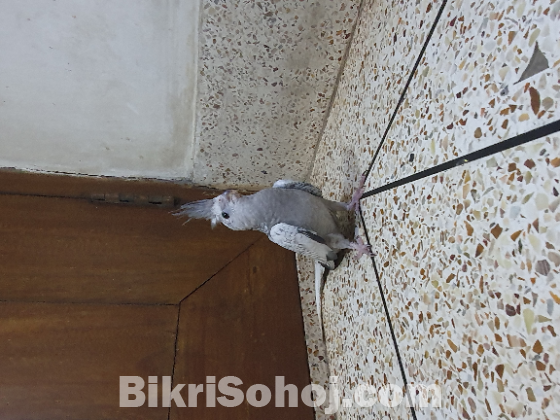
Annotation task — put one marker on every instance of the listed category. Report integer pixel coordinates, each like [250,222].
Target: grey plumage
[304,186]
[292,214]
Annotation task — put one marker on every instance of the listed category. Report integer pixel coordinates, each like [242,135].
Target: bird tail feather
[319,271]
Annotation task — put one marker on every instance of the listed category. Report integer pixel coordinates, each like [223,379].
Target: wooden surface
[91,291]
[245,322]
[61,361]
[71,250]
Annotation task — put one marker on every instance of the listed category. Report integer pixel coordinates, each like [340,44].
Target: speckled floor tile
[316,349]
[266,74]
[490,71]
[389,36]
[359,346]
[470,262]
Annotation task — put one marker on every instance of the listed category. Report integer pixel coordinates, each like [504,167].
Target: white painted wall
[222,93]
[98,87]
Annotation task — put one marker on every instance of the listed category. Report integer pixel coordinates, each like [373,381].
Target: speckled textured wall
[267,71]
[468,256]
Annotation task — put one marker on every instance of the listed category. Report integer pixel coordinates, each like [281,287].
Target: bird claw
[361,248]
[354,203]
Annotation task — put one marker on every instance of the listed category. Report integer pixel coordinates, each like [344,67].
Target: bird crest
[210,209]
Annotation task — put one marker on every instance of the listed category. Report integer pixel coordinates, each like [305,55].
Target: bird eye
[225,215]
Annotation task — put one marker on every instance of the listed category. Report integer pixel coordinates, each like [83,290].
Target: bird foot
[361,248]
[354,204]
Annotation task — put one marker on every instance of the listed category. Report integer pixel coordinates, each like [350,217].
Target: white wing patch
[303,242]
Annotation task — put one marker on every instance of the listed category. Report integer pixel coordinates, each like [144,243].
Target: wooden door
[91,290]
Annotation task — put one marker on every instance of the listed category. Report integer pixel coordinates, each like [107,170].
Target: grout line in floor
[403,93]
[515,141]
[389,322]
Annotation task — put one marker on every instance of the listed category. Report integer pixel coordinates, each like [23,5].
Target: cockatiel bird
[292,214]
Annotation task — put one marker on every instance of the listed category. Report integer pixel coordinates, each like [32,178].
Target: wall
[463,292]
[267,73]
[222,93]
[95,87]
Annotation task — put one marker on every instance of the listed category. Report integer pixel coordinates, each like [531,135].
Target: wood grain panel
[245,322]
[63,361]
[69,250]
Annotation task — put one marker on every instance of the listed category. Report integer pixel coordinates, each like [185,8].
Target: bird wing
[294,185]
[303,241]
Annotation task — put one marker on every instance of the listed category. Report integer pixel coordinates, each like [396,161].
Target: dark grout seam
[403,94]
[335,88]
[390,323]
[515,141]
[518,140]
[367,172]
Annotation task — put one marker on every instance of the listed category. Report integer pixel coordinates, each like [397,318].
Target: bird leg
[354,204]
[337,241]
[361,248]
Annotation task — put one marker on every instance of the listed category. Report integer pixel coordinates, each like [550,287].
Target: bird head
[220,209]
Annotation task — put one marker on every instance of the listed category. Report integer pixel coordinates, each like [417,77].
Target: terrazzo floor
[452,109]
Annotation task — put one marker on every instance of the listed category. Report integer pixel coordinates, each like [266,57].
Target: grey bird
[292,214]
